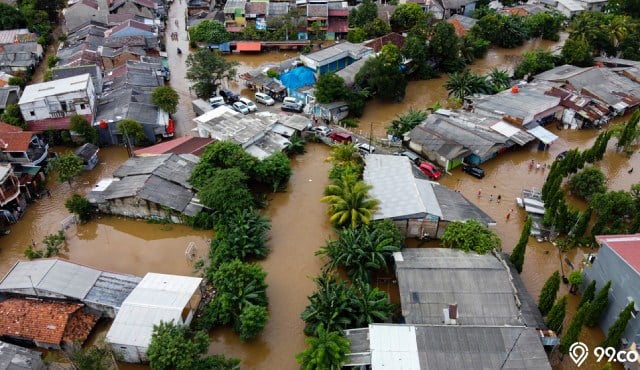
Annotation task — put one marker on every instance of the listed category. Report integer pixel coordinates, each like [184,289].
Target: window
[63,106]
[82,106]
[32,113]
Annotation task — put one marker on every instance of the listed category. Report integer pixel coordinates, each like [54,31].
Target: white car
[322,130]
[265,99]
[241,107]
[366,148]
[216,101]
[292,100]
[251,105]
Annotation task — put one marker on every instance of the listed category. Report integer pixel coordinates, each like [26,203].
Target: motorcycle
[179,51]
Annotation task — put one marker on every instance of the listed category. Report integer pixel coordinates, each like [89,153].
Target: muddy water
[299,228]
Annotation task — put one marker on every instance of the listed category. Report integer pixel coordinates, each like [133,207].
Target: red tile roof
[5,127]
[181,145]
[248,46]
[625,246]
[338,25]
[15,141]
[459,28]
[256,8]
[394,38]
[79,327]
[61,123]
[43,322]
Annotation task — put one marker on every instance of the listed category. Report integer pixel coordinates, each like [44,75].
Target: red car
[340,137]
[429,170]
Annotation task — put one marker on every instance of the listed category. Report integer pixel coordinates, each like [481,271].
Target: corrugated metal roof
[430,279]
[14,357]
[543,134]
[158,297]
[66,85]
[166,193]
[394,347]
[393,185]
[455,207]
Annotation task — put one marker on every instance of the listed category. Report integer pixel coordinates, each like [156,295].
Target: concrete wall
[80,102]
[134,207]
[625,282]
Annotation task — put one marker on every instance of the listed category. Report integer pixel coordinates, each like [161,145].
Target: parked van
[340,137]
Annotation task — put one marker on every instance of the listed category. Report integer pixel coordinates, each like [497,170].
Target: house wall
[130,354]
[134,207]
[430,155]
[415,228]
[624,283]
[77,102]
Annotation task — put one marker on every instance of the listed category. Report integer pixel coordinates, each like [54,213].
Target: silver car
[265,99]
[251,105]
[240,107]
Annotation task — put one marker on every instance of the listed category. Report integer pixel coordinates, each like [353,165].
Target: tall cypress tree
[617,329]
[588,294]
[517,256]
[555,318]
[583,222]
[548,293]
[598,306]
[573,333]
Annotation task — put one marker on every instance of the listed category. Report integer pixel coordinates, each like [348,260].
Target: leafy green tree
[251,321]
[82,127]
[96,357]
[357,98]
[327,350]
[13,116]
[296,145]
[407,16]
[356,35]
[361,251]
[226,192]
[573,332]
[175,346]
[577,52]
[10,17]
[592,27]
[630,132]
[371,305]
[588,182]
[499,80]
[210,31]
[132,131]
[275,171]
[612,206]
[598,306]
[502,30]
[222,155]
[415,48]
[329,88]
[376,28]
[575,279]
[473,47]
[166,98]
[363,14]
[381,75]
[68,166]
[555,318]
[207,69]
[534,62]
[588,294]
[349,202]
[330,305]
[80,206]
[444,47]
[406,122]
[545,25]
[548,293]
[517,256]
[466,83]
[470,235]
[617,329]
[241,234]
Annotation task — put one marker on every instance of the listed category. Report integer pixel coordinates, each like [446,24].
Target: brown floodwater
[299,224]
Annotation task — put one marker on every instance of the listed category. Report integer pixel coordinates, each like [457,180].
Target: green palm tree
[618,28]
[499,80]
[327,351]
[344,153]
[349,202]
[406,122]
[466,83]
[361,251]
[372,304]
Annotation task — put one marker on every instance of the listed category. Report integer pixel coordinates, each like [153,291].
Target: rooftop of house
[385,346]
[66,72]
[14,357]
[464,23]
[158,297]
[5,169]
[223,123]
[355,51]
[7,128]
[607,86]
[133,102]
[129,23]
[15,141]
[182,145]
[172,167]
[86,151]
[627,247]
[232,5]
[430,279]
[256,8]
[41,90]
[377,43]
[9,36]
[48,323]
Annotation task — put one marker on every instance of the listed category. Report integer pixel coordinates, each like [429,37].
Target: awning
[542,134]
[248,46]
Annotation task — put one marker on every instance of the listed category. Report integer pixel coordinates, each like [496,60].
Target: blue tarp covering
[298,77]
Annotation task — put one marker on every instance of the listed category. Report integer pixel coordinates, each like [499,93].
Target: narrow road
[185,115]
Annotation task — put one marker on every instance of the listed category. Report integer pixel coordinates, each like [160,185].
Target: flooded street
[299,223]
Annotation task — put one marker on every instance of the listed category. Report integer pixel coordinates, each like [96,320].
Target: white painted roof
[158,297]
[4,170]
[394,347]
[66,85]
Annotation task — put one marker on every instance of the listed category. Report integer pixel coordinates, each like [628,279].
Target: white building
[158,298]
[51,104]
